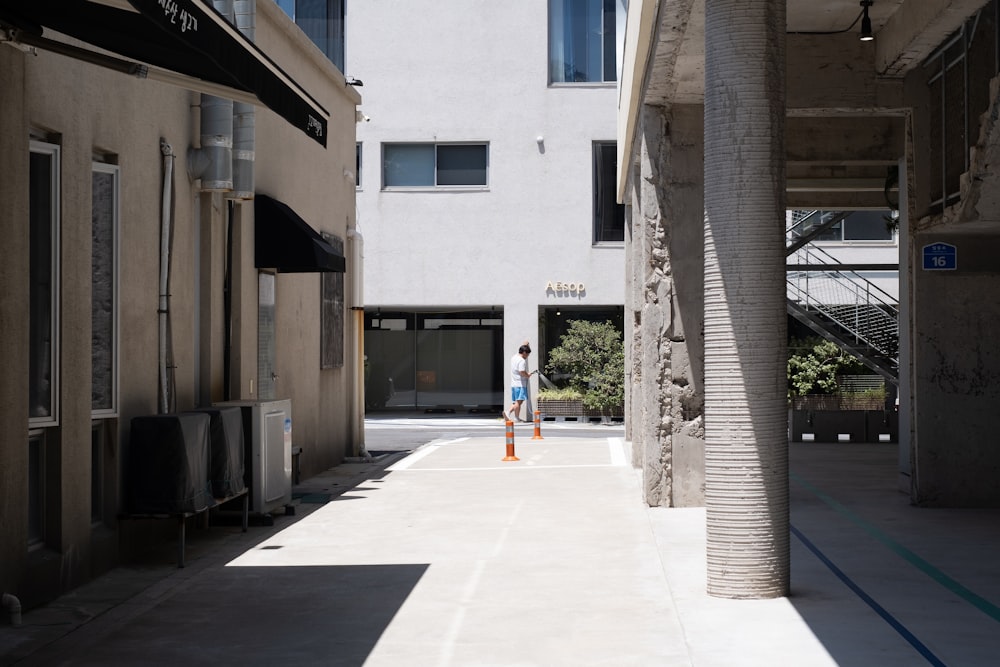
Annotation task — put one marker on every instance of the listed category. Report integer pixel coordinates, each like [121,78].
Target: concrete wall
[85,109]
[478,71]
[954,454]
[956,375]
[666,251]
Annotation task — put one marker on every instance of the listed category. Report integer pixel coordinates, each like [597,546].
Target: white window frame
[115,171]
[437,145]
[55,152]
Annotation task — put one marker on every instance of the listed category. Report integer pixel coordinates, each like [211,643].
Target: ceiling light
[866,22]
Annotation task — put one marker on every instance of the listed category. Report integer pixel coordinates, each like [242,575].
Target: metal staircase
[840,305]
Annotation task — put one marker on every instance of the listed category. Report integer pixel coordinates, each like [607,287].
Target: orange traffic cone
[510,442]
[538,426]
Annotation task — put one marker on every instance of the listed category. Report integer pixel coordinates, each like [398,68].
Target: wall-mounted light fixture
[866,22]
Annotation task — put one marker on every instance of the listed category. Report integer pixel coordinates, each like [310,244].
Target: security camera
[359,117]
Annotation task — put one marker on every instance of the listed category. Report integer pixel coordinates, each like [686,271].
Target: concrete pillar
[746,441]
[13,321]
[630,331]
[685,206]
[653,441]
[666,260]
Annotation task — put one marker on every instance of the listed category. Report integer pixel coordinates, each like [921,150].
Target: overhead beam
[835,185]
[916,29]
[846,139]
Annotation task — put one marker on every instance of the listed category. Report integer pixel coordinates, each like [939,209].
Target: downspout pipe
[13,607]
[163,309]
[356,247]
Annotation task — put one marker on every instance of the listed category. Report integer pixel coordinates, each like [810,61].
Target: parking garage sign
[940,257]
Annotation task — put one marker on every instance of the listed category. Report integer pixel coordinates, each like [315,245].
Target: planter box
[573,408]
[832,403]
[844,425]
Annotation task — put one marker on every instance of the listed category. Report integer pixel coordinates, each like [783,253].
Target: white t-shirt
[518,364]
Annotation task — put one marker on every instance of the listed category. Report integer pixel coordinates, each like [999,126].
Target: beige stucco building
[93,162]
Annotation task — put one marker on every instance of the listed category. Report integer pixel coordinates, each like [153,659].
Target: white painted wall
[476,70]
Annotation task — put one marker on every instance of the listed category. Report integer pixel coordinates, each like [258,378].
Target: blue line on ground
[879,609]
[977,601]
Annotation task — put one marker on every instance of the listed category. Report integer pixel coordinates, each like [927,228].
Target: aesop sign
[557,287]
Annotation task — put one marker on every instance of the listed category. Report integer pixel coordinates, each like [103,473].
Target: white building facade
[485,188]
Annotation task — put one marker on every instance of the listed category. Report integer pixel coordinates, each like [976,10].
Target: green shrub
[879,393]
[593,355]
[560,394]
[815,363]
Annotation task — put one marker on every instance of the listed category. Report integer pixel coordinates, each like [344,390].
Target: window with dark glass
[357,166]
[36,488]
[331,313]
[43,210]
[609,215]
[434,165]
[859,226]
[582,41]
[104,287]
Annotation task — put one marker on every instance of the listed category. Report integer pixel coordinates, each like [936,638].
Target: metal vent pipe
[244,114]
[213,162]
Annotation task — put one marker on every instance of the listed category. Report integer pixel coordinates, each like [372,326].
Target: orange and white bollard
[510,443]
[538,426]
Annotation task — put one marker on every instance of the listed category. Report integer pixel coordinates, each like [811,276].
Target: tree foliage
[814,365]
[593,355]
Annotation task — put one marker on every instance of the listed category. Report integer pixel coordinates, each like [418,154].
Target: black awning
[286,242]
[187,37]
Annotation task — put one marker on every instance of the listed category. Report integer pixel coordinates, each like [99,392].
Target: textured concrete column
[746,442]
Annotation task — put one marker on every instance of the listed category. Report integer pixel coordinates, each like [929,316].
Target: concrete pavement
[450,557]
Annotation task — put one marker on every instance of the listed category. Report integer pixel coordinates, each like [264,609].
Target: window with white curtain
[582,41]
[43,295]
[434,165]
[104,289]
[323,22]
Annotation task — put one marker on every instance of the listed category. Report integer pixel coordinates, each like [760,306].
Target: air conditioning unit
[267,437]
[167,464]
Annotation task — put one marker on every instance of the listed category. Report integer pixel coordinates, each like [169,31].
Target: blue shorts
[518,394]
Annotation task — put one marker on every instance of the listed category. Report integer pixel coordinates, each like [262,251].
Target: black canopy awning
[286,242]
[185,37]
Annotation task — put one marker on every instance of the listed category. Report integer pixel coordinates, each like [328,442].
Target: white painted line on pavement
[617,449]
[413,458]
[522,466]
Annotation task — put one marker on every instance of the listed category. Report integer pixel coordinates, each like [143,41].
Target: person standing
[519,376]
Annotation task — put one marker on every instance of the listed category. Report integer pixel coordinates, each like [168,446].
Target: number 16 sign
[940,257]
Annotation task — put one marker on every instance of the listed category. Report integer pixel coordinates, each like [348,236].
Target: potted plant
[590,360]
[831,395]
